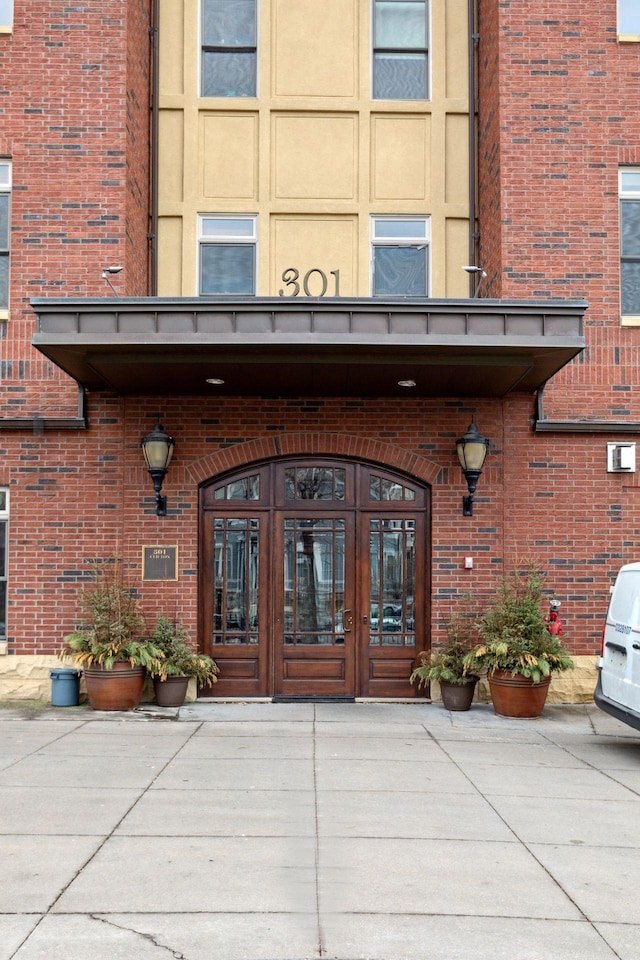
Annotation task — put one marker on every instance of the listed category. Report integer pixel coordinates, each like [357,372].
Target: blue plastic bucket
[65,687]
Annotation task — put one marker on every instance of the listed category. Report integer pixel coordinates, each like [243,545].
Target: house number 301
[314,283]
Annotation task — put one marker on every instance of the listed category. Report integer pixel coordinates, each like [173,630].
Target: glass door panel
[236,571]
[314,625]
[234,607]
[392,587]
[314,572]
[392,582]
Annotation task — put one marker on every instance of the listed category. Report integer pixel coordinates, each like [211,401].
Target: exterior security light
[480,274]
[157,448]
[471,450]
[110,271]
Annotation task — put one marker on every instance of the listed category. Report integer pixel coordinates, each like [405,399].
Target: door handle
[347,620]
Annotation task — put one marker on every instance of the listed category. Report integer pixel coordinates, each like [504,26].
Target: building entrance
[313,580]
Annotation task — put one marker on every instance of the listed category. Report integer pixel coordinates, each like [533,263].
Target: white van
[618,689]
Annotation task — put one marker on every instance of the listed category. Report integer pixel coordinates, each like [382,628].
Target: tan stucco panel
[314,48]
[457,247]
[230,156]
[311,243]
[457,165]
[456,14]
[170,277]
[313,144]
[171,156]
[172,47]
[400,154]
[314,157]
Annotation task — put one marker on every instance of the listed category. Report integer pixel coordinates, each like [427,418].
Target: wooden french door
[314,580]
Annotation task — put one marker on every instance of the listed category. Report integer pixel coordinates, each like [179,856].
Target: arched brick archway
[309,443]
[314,573]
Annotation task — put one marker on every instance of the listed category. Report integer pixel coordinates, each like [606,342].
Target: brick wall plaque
[160,563]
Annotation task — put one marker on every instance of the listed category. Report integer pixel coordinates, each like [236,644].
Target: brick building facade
[109,148]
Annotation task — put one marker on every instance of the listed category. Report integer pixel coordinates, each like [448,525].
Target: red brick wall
[557,125]
[531,500]
[489,208]
[74,115]
[554,84]
[138,146]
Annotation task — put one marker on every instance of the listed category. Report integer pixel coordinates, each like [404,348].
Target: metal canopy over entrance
[313,581]
[328,347]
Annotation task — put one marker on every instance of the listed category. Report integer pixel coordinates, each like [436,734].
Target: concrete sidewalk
[293,831]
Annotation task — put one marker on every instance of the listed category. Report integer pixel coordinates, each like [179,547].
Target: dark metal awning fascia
[329,347]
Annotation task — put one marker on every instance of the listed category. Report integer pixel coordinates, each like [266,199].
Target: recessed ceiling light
[216,381]
[406,383]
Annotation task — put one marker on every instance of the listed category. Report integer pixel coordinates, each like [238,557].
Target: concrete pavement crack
[177,954]
[526,846]
[107,837]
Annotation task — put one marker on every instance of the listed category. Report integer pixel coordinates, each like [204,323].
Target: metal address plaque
[160,563]
[315,283]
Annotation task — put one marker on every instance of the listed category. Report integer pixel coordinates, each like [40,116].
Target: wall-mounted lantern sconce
[471,450]
[157,448]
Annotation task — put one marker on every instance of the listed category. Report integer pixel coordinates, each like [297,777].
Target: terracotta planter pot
[170,692]
[517,696]
[117,689]
[458,696]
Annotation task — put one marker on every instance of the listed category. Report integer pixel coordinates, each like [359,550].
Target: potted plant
[179,664]
[517,649]
[445,664]
[108,646]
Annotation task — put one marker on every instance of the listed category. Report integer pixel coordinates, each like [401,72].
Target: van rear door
[620,665]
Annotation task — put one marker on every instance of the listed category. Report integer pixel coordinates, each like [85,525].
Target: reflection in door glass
[392,579]
[382,489]
[235,601]
[314,483]
[314,581]
[245,489]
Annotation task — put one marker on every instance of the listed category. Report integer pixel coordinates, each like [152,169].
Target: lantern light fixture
[471,450]
[157,448]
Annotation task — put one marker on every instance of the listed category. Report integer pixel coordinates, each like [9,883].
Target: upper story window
[228,255]
[5,197]
[400,256]
[630,241]
[400,50]
[629,18]
[4,523]
[6,16]
[228,48]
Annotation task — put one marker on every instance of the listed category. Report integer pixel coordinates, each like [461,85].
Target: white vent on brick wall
[621,457]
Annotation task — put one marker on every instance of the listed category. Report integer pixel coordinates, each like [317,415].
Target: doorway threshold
[312,699]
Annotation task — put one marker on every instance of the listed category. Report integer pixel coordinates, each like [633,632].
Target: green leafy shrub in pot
[446,661]
[179,659]
[514,631]
[112,625]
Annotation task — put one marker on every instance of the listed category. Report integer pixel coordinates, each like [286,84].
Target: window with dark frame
[227,255]
[400,50]
[5,210]
[229,51]
[400,256]
[630,241]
